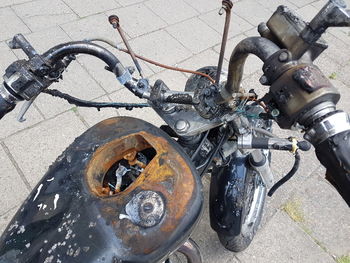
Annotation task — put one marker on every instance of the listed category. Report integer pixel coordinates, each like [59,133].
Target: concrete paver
[238,25]
[7,56]
[91,7]
[204,6]
[301,3]
[166,12]
[10,125]
[195,35]
[307,12]
[158,43]
[16,25]
[273,4]
[327,224]
[344,74]
[89,27]
[138,19]
[129,2]
[337,50]
[14,190]
[252,11]
[38,147]
[185,33]
[203,59]
[41,14]
[4,3]
[283,241]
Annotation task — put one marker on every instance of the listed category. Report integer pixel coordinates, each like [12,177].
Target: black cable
[210,159]
[287,177]
[83,103]
[200,146]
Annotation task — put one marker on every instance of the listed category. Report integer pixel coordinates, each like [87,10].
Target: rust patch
[168,174]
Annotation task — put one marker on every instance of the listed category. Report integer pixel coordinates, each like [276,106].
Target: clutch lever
[25,107]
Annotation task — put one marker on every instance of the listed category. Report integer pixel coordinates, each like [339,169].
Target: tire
[255,193]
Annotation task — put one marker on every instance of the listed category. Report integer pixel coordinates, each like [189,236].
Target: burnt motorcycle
[127,191]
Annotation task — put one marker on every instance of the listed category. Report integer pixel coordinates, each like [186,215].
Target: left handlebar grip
[7,101]
[5,107]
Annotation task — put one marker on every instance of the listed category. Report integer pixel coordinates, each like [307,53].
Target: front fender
[227,196]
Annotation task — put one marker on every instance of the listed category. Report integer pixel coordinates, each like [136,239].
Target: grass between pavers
[293,208]
[343,259]
[333,75]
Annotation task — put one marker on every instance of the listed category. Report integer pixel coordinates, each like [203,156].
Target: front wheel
[237,199]
[256,193]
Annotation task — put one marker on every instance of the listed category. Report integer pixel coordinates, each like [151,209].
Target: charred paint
[83,223]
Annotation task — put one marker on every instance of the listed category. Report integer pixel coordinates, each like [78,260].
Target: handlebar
[24,80]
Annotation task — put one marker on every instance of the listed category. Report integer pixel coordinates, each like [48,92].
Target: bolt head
[283,57]
[182,125]
[263,80]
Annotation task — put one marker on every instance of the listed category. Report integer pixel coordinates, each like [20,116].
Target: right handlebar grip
[334,154]
[5,107]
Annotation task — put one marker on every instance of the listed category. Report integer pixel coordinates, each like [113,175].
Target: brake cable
[110,43]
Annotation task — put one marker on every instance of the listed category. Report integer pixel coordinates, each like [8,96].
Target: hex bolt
[182,125]
[283,57]
[263,80]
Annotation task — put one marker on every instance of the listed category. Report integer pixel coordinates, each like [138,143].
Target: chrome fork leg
[191,251]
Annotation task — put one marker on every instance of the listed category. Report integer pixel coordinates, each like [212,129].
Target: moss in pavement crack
[293,209]
[343,259]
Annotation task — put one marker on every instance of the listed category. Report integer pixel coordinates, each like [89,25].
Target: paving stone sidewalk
[306,221]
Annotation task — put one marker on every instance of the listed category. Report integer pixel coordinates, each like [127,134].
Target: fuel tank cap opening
[125,171]
[119,164]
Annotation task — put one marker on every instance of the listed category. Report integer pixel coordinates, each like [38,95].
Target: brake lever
[25,107]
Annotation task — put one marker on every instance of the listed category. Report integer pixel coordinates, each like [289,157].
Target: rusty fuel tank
[124,191]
